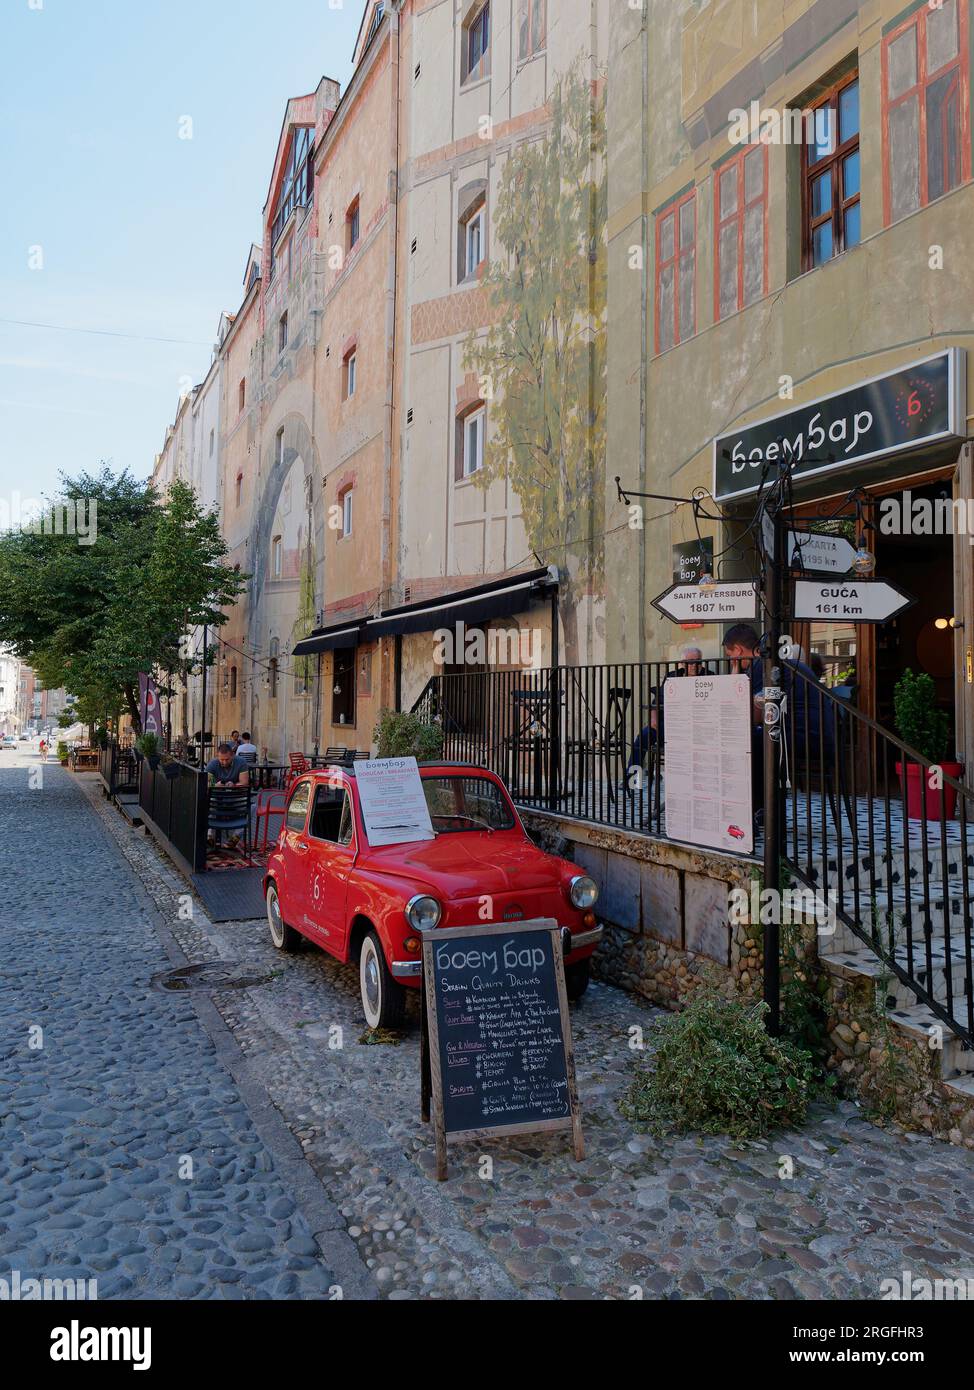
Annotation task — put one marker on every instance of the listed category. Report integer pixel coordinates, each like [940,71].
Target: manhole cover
[213,974]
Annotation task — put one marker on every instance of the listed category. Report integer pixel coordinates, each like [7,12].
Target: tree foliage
[543,362]
[92,617]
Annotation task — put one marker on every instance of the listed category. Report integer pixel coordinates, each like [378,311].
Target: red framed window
[831,179]
[741,231]
[676,271]
[926,108]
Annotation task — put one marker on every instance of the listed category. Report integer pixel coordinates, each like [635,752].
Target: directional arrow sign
[850,601]
[813,551]
[810,549]
[723,603]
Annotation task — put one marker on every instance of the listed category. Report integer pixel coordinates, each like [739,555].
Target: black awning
[499,599]
[327,639]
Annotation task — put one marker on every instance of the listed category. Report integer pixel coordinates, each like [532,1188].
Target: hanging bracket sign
[850,601]
[496,1045]
[720,603]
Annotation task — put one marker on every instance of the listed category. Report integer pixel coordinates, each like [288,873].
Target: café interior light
[864,561]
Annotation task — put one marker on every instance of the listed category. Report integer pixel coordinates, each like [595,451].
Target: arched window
[233,682]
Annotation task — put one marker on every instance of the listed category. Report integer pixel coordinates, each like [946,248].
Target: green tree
[543,361]
[91,618]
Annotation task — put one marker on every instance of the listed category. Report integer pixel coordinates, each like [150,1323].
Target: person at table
[227,769]
[652,733]
[809,719]
[246,749]
[235,739]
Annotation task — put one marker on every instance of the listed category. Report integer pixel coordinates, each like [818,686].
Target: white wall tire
[383,998]
[283,937]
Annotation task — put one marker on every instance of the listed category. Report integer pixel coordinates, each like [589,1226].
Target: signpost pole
[774,591]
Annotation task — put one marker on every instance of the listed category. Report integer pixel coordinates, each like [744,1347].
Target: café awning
[328,639]
[501,598]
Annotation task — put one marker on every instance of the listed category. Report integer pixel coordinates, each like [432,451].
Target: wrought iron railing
[587,742]
[893,864]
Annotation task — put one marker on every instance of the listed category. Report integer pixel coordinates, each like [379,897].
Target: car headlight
[423,913]
[583,892]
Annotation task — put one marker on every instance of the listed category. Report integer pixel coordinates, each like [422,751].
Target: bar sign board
[496,1041]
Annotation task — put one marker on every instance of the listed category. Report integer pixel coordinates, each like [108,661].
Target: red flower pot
[924,802]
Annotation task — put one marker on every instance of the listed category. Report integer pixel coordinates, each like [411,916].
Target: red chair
[299,764]
[269,803]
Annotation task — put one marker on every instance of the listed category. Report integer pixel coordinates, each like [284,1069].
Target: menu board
[708,730]
[393,801]
[497,1052]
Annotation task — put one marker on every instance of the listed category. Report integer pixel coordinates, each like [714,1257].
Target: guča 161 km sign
[496,1039]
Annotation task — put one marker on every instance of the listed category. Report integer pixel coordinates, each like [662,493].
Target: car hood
[467,864]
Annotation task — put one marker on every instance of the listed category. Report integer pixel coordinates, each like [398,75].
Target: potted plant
[926,728]
[148,746]
[62,752]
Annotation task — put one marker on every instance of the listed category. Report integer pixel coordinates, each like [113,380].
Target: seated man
[246,749]
[652,733]
[809,719]
[228,769]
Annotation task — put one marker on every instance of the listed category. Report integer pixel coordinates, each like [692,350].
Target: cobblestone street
[310,1167]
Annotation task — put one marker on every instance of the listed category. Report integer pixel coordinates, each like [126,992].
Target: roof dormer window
[297,181]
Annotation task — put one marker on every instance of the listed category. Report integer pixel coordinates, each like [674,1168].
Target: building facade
[788,267]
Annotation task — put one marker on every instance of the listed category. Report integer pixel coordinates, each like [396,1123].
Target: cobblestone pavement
[113,1093]
[639,1217]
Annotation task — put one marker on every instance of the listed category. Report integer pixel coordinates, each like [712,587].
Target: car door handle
[299,848]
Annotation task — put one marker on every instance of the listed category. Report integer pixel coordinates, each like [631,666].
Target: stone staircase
[903,883]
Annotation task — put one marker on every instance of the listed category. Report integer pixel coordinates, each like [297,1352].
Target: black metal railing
[883,836]
[588,742]
[119,768]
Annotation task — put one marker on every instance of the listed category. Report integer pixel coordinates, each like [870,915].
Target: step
[923,1024]
[864,962]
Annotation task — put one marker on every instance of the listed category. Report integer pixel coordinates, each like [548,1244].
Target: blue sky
[141,233]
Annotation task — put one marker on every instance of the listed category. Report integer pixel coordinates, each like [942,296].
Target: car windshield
[466,803]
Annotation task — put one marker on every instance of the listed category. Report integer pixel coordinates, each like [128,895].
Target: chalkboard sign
[497,1054]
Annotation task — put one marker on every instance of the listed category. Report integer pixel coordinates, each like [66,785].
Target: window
[532,28]
[830,175]
[676,269]
[474,242]
[476,45]
[279,446]
[233,682]
[470,442]
[242,393]
[352,226]
[282,332]
[277,554]
[212,440]
[343,687]
[238,490]
[377,14]
[925,109]
[741,218]
[349,371]
[274,666]
[297,182]
[331,816]
[347,513]
[297,807]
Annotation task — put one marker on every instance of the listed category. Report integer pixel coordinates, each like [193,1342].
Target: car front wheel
[383,998]
[576,979]
[283,937]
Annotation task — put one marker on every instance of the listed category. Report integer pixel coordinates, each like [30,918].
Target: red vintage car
[324,881]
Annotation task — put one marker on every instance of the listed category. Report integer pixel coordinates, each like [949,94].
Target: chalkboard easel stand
[431,1080]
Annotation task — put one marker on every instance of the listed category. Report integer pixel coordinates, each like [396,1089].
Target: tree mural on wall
[542,364]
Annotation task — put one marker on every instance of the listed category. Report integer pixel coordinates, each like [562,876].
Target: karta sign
[885,415]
